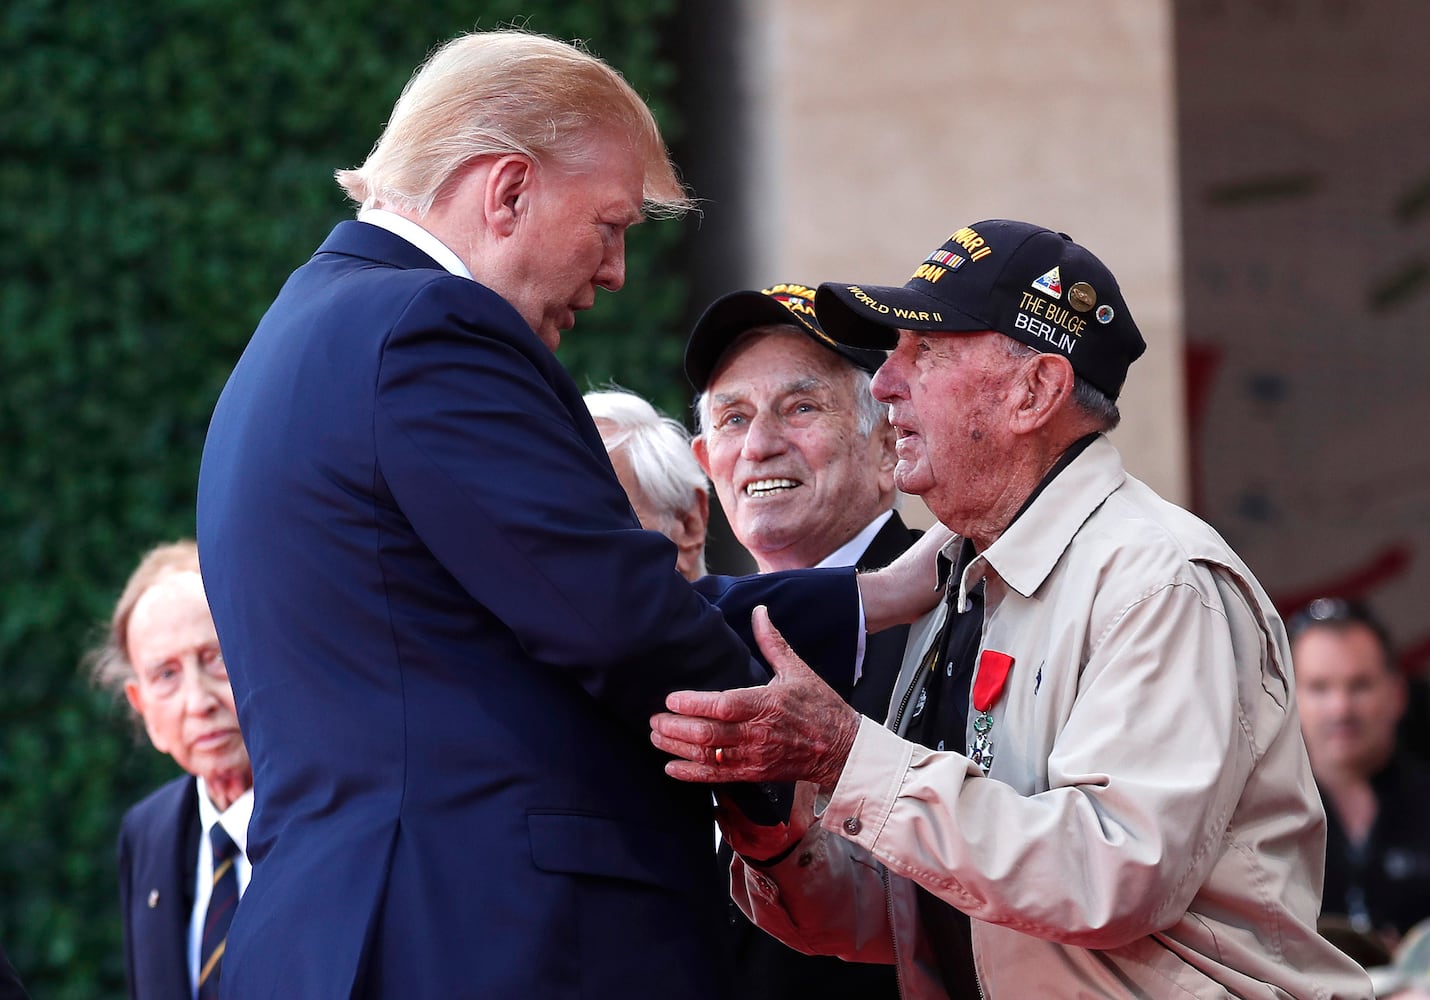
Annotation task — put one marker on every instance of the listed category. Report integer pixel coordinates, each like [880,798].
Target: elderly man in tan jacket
[1092,783]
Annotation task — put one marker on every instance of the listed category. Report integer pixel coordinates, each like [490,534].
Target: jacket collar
[1025,554]
[362,239]
[891,541]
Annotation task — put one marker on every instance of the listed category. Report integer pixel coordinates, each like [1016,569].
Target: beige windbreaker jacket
[1149,826]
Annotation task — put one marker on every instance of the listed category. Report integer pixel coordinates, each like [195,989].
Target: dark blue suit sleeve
[481,448]
[817,634]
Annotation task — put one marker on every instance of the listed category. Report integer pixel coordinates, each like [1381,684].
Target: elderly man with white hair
[802,458]
[651,455]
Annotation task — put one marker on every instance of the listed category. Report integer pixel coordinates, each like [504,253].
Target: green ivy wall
[163,166]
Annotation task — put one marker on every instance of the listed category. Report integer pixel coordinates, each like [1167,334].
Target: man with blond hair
[444,625]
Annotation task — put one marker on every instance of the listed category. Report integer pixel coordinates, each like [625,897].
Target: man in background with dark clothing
[1351,698]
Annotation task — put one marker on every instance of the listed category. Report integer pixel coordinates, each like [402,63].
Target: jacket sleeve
[827,645]
[10,986]
[480,445]
[828,897]
[1128,829]
[125,859]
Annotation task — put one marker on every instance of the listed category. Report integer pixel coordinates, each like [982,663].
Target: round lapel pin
[1082,297]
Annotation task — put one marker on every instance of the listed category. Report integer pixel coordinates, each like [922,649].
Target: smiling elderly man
[801,455]
[1094,784]
[802,458]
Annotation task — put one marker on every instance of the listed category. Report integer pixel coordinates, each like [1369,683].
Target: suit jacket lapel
[888,544]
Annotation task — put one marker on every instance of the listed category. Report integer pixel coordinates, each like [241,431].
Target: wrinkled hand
[795,728]
[908,586]
[761,841]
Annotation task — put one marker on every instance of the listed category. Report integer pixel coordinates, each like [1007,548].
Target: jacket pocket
[585,844]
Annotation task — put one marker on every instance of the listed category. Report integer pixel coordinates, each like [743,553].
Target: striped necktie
[222,902]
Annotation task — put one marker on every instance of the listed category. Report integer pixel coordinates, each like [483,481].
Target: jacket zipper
[918,682]
[893,931]
[884,875]
[921,675]
[899,715]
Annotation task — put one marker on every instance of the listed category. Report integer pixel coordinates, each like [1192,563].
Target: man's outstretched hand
[795,728]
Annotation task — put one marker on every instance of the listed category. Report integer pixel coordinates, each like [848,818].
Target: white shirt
[234,820]
[848,554]
[410,231]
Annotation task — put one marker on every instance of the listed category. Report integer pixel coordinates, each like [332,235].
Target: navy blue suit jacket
[446,635]
[10,986]
[158,852]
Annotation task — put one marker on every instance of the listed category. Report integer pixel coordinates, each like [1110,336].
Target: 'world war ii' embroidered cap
[1030,283]
[730,316]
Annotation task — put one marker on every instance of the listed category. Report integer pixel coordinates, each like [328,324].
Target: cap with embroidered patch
[730,316]
[1030,283]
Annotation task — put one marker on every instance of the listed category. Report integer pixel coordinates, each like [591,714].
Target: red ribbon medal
[993,668]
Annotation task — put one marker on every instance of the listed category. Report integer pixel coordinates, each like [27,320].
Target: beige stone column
[880,127]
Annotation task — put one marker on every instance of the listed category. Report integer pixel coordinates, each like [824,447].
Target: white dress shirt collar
[410,231]
[848,554]
[234,819]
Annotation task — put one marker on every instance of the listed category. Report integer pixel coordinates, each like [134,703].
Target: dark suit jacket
[883,651]
[446,634]
[10,985]
[158,850]
[764,967]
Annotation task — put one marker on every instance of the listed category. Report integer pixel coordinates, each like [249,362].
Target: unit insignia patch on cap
[1050,283]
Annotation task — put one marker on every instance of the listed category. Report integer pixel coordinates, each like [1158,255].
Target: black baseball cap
[1030,283]
[729,316]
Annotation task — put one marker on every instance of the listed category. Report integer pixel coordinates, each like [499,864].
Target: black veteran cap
[1035,285]
[782,305]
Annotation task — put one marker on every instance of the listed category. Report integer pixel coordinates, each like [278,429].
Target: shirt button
[851,825]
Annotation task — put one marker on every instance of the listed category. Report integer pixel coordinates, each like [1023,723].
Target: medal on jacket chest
[993,668]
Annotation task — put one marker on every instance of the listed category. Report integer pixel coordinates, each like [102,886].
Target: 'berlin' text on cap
[1030,283]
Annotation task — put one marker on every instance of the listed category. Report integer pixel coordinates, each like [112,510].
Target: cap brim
[724,320]
[870,316]
[730,316]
